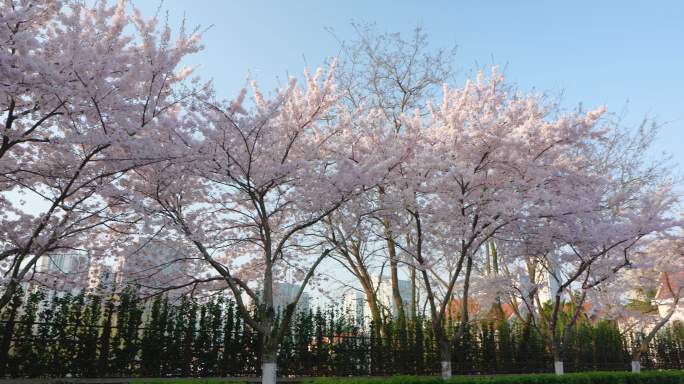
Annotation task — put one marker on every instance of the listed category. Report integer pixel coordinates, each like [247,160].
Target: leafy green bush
[655,377]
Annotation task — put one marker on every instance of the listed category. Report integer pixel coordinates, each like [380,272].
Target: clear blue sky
[627,55]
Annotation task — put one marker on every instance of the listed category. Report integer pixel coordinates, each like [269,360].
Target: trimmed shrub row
[43,335]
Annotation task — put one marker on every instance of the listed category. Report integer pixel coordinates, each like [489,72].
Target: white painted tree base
[268,373]
[558,367]
[636,366]
[446,370]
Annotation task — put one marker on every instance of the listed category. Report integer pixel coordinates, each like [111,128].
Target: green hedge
[44,335]
[653,377]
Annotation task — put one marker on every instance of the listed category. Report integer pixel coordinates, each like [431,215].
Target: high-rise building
[101,278]
[73,262]
[285,293]
[62,272]
[356,305]
[155,264]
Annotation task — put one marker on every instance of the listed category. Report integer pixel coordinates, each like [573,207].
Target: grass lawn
[653,377]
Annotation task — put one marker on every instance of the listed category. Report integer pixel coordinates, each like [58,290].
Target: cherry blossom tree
[356,239]
[485,154]
[393,75]
[588,227]
[357,231]
[256,178]
[648,295]
[83,91]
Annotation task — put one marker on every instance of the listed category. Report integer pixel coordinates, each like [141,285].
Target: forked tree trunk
[269,368]
[445,357]
[269,355]
[394,278]
[374,307]
[394,275]
[558,367]
[643,343]
[7,337]
[414,295]
[641,348]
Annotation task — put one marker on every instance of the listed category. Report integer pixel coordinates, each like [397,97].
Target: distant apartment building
[284,294]
[156,265]
[101,278]
[356,305]
[73,272]
[63,263]
[61,272]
